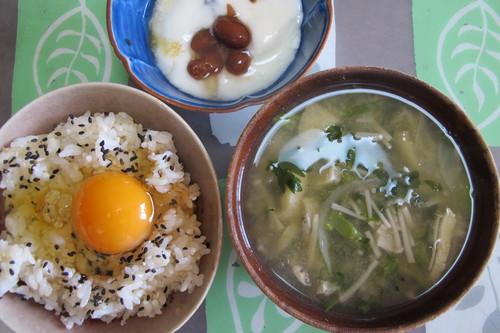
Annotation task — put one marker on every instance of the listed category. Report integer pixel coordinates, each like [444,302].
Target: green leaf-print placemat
[236,304]
[457,49]
[61,42]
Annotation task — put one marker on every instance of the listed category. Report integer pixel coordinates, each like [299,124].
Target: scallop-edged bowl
[64,104]
[128,25]
[329,220]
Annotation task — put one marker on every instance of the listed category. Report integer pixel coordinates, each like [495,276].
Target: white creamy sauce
[275,29]
[313,145]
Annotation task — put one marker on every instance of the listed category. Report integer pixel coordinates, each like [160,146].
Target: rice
[42,259]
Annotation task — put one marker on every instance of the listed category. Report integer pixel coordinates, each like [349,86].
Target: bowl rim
[250,138]
[245,103]
[87,89]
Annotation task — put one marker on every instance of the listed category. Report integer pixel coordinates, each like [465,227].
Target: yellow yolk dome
[112,212]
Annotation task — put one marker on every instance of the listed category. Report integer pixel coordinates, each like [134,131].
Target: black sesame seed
[121,301]
[176,261]
[147,271]
[12,262]
[172,167]
[36,188]
[45,264]
[148,298]
[28,244]
[56,247]
[126,276]
[140,309]
[11,271]
[58,133]
[90,120]
[15,165]
[52,176]
[81,125]
[165,289]
[81,132]
[34,140]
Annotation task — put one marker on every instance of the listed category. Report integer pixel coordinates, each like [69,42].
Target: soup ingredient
[350,201]
[112,212]
[259,42]
[88,161]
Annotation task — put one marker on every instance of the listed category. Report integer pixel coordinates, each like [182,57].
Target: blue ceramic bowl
[128,29]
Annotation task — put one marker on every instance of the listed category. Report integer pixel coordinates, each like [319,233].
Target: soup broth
[358,200]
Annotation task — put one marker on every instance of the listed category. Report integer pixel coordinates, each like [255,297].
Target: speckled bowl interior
[128,29]
[483,229]
[41,115]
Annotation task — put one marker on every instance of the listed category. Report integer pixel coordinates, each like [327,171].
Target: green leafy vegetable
[351,156]
[288,175]
[357,110]
[436,187]
[387,266]
[334,132]
[338,222]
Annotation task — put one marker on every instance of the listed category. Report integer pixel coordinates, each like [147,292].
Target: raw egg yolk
[112,212]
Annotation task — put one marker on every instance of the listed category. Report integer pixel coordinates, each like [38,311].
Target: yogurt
[275,29]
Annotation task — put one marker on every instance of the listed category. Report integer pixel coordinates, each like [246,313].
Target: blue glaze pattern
[128,28]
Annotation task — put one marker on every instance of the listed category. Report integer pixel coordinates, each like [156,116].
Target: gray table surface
[375,33]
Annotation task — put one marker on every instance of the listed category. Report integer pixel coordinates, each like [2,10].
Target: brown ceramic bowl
[41,115]
[483,229]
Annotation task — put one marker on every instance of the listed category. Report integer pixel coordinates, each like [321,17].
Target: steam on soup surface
[359,201]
